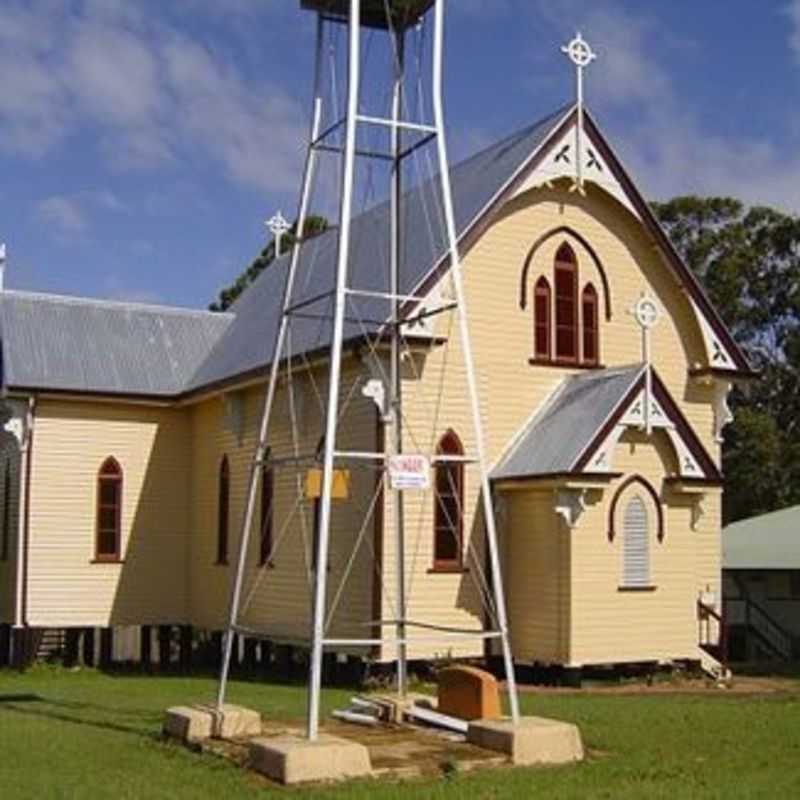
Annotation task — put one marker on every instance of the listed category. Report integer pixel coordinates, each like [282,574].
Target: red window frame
[108,520]
[267,501]
[566,305]
[223,511]
[448,509]
[542,301]
[591,323]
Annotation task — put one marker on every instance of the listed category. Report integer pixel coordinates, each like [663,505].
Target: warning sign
[409,471]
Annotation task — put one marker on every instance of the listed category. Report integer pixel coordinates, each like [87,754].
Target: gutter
[23,526]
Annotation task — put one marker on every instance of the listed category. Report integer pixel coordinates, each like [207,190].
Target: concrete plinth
[535,740]
[235,722]
[292,760]
[193,724]
[189,724]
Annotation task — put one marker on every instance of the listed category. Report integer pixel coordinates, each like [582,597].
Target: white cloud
[256,132]
[68,216]
[145,94]
[63,216]
[114,74]
[669,149]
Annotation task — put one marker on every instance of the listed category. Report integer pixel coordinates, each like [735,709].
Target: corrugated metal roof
[83,345]
[76,344]
[248,343]
[559,433]
[769,541]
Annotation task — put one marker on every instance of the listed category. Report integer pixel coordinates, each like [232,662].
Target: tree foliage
[228,296]
[748,259]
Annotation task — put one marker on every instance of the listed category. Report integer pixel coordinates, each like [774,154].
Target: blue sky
[143,142]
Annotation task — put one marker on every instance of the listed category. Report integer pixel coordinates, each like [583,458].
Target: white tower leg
[455,268]
[340,298]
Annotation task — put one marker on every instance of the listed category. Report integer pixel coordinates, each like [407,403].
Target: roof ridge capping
[118,304]
[780,512]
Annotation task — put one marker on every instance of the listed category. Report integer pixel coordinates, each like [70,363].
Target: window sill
[107,561]
[456,569]
[555,362]
[636,588]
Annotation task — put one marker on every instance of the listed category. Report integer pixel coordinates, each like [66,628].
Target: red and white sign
[409,471]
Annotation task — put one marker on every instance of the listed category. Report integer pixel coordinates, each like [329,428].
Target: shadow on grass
[20,698]
[298,681]
[78,713]
[55,715]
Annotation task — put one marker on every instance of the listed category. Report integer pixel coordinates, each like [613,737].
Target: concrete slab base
[535,740]
[235,722]
[189,724]
[293,760]
[195,724]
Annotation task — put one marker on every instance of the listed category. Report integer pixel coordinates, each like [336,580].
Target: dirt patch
[395,751]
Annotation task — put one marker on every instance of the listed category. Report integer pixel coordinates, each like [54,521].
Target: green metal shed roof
[771,541]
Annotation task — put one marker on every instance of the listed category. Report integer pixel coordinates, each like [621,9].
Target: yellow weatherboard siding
[613,624]
[562,585]
[511,390]
[276,598]
[71,441]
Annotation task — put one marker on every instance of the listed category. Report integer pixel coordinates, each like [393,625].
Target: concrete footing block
[235,722]
[189,724]
[292,760]
[194,724]
[534,740]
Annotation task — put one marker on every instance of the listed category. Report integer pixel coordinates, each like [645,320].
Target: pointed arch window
[108,539]
[223,510]
[566,321]
[636,545]
[566,304]
[542,301]
[267,502]
[448,534]
[589,313]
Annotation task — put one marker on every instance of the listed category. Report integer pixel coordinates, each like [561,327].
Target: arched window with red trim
[542,299]
[223,510]
[267,501]
[108,540]
[589,312]
[448,531]
[566,296]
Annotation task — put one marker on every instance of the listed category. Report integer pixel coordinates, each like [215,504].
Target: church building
[603,372]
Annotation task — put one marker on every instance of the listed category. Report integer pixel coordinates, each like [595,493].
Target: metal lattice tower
[394,18]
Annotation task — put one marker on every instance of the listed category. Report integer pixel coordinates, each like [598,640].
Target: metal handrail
[768,628]
[705,613]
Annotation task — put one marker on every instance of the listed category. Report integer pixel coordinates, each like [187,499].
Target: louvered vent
[636,546]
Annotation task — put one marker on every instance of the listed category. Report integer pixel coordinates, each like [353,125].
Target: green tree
[228,296]
[749,262]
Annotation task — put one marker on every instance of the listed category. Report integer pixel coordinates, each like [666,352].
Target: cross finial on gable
[278,227]
[581,55]
[647,314]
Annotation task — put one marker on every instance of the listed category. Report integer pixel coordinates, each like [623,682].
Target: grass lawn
[90,735]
